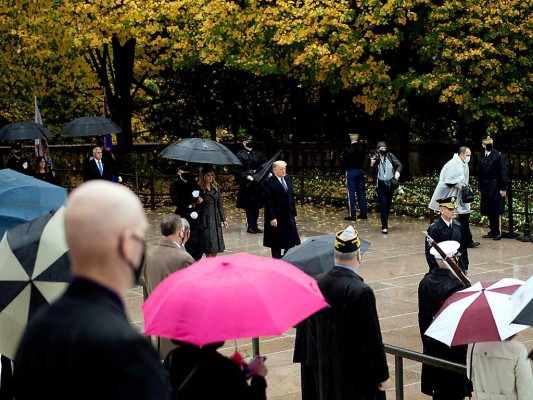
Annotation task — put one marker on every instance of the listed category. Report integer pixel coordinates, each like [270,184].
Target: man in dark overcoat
[185,195]
[82,346]
[280,211]
[436,286]
[351,356]
[447,228]
[493,184]
[249,194]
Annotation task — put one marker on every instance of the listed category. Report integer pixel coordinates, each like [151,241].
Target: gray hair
[462,150]
[279,163]
[170,224]
[339,256]
[96,149]
[186,226]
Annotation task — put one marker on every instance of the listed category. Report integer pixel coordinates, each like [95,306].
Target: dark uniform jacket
[354,156]
[436,286]
[214,376]
[492,178]
[181,194]
[249,194]
[351,356]
[83,347]
[21,165]
[280,205]
[440,232]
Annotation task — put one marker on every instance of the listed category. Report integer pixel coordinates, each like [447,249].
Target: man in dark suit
[447,228]
[280,211]
[82,346]
[95,168]
[351,357]
[492,183]
[18,162]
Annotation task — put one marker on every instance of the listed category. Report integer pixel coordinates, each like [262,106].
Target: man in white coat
[454,175]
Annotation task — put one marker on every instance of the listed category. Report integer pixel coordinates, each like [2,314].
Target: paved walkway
[393,267]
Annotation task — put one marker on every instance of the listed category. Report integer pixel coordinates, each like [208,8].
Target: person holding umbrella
[436,286]
[185,195]
[18,162]
[249,196]
[500,370]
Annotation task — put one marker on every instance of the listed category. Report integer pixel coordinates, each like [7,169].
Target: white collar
[446,222]
[458,159]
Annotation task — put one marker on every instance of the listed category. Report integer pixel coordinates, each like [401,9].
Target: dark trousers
[464,220]
[385,202]
[276,253]
[355,183]
[494,223]
[252,215]
[309,379]
[6,380]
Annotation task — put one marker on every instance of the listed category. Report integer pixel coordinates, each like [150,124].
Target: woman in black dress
[42,171]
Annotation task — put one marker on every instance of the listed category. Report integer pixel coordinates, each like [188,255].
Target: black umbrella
[266,168]
[34,271]
[315,255]
[523,303]
[199,150]
[90,126]
[24,130]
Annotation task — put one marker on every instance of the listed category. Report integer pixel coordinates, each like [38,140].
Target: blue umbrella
[24,198]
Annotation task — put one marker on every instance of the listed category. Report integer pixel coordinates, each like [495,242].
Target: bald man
[82,346]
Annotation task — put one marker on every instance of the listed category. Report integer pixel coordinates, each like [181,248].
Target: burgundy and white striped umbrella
[480,313]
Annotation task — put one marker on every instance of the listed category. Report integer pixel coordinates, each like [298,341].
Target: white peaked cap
[449,247]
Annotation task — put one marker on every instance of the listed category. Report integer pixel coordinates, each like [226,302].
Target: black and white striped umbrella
[34,271]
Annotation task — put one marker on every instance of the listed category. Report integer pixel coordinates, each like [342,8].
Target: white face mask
[467,159]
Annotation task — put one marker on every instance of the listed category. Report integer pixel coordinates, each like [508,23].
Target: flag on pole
[41,145]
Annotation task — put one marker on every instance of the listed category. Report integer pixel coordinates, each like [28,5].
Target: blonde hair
[203,173]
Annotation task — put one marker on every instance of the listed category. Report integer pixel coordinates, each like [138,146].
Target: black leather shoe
[362,216]
[471,245]
[497,237]
[350,218]
[487,236]
[257,230]
[250,230]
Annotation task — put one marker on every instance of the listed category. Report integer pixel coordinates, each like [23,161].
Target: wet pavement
[393,267]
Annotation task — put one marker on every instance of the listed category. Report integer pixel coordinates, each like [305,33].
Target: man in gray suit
[164,258]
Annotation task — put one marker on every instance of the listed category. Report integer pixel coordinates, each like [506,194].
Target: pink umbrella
[480,313]
[231,297]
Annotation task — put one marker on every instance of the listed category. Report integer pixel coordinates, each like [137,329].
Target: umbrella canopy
[266,168]
[315,255]
[91,126]
[231,297]
[24,130]
[480,313]
[34,271]
[199,150]
[25,198]
[522,301]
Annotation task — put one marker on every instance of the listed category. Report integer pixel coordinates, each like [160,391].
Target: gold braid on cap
[488,140]
[349,245]
[449,204]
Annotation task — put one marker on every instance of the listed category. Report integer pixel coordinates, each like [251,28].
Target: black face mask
[17,153]
[137,270]
[488,147]
[383,152]
[249,144]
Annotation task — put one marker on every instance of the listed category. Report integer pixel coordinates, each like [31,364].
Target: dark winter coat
[211,218]
[354,156]
[249,194]
[280,205]
[181,194]
[83,347]
[215,377]
[351,356]
[492,178]
[441,232]
[436,286]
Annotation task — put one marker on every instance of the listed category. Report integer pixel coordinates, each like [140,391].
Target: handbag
[467,195]
[394,184]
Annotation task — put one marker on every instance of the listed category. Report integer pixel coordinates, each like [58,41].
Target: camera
[401,191]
